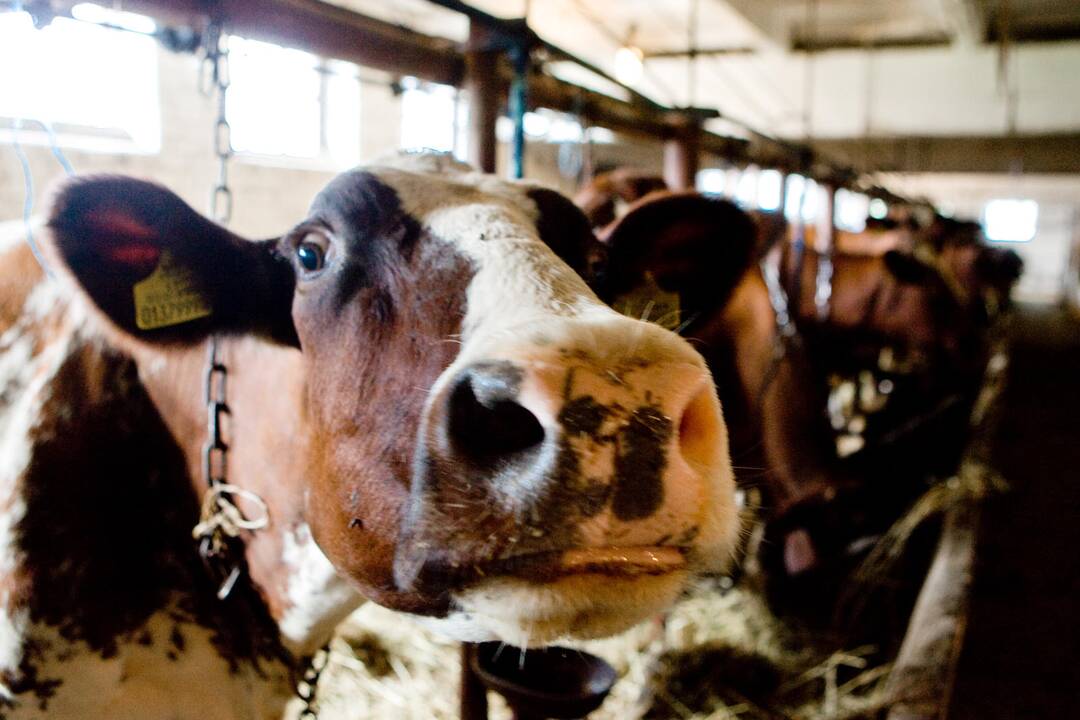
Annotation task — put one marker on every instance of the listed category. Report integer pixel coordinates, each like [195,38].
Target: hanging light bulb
[629,60]
[629,64]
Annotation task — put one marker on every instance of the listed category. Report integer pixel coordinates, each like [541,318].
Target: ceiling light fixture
[629,61]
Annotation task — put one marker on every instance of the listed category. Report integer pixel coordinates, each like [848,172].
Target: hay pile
[720,654]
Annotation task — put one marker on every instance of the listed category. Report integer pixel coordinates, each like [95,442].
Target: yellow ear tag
[648,301]
[168,296]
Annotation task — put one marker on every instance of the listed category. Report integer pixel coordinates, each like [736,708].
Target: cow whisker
[685,323]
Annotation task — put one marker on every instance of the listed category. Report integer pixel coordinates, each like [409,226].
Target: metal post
[482,87]
[474,702]
[681,154]
[823,244]
[826,220]
[783,192]
[519,56]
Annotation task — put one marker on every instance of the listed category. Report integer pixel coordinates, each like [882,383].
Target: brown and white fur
[440,417]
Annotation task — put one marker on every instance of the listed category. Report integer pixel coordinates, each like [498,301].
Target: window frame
[324,160]
[67,134]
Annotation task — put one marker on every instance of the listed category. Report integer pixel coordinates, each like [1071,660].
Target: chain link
[214,79]
[308,687]
[220,519]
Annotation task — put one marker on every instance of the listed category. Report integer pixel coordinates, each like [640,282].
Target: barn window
[747,189]
[542,125]
[797,186]
[851,210]
[768,190]
[879,209]
[711,181]
[102,83]
[432,117]
[1010,220]
[320,119]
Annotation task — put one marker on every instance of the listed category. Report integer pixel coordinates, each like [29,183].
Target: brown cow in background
[841,423]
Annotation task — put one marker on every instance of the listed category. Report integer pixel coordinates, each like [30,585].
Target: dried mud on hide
[719,654]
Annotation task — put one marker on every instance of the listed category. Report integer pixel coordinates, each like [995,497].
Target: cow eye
[311,252]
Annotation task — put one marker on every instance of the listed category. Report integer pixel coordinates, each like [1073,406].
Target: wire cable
[28,198]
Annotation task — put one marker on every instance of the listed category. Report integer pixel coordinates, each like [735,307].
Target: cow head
[891,376]
[482,440]
[606,197]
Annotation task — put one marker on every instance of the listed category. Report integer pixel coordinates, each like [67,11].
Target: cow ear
[162,272]
[909,269]
[565,229]
[1000,266]
[691,245]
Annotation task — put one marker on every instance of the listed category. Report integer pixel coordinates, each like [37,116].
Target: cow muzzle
[569,479]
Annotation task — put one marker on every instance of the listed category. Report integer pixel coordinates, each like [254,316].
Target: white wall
[268,199]
[1046,257]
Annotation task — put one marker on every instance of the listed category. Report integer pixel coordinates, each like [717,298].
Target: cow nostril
[699,429]
[484,429]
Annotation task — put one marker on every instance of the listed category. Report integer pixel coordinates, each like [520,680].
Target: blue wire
[54,146]
[28,198]
[28,177]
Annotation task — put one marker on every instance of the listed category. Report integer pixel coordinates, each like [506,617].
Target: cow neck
[302,593]
[221,520]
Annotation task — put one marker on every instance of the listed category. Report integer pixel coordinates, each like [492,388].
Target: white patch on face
[582,607]
[319,598]
[492,222]
[142,682]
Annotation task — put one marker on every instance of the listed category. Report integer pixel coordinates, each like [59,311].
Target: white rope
[219,512]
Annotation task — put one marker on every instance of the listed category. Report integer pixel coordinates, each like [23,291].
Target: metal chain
[214,78]
[221,520]
[308,687]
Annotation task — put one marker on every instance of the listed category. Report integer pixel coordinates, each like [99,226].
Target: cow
[427,408]
[607,196]
[836,421]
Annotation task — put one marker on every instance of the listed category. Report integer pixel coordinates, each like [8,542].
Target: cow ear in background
[1000,266]
[162,272]
[909,269]
[691,245]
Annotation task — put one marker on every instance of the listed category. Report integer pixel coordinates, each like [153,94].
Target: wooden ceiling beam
[1046,153]
[321,28]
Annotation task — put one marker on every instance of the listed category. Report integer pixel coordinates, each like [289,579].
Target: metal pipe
[519,88]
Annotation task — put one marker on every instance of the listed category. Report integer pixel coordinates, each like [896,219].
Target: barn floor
[1021,658]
